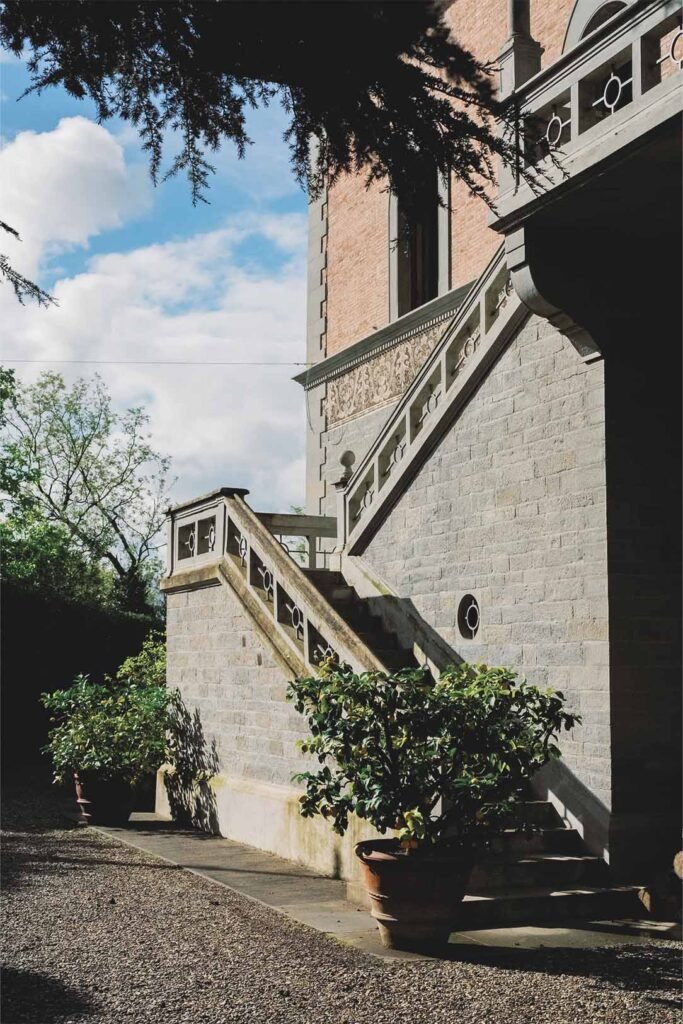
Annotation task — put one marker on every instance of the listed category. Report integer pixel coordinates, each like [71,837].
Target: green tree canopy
[42,556]
[77,476]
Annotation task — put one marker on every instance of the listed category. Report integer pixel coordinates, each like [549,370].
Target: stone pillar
[520,57]
[316,331]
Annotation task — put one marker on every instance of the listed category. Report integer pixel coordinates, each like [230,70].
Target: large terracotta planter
[414,896]
[103,801]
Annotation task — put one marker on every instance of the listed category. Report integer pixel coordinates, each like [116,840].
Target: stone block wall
[644,467]
[223,668]
[355,435]
[511,508]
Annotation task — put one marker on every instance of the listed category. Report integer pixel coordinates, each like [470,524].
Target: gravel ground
[95,931]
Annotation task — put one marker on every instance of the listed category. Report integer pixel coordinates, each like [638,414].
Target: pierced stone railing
[617,83]
[218,538]
[484,323]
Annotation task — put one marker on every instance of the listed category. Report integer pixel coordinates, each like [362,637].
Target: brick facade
[548,24]
[357,262]
[358,241]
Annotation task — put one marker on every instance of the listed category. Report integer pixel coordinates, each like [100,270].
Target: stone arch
[587,15]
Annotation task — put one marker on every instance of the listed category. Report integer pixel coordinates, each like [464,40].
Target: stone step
[507,907]
[396,658]
[543,869]
[324,576]
[540,813]
[340,593]
[357,613]
[546,840]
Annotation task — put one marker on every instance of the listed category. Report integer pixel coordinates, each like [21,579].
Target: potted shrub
[441,765]
[109,736]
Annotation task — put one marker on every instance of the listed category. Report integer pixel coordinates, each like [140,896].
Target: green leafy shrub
[440,762]
[117,728]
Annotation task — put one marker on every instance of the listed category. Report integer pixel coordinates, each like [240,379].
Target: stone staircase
[355,611]
[304,614]
[542,876]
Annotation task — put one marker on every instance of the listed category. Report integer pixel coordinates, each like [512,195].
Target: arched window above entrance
[588,15]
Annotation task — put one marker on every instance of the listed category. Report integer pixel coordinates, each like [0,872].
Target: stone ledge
[191,579]
[437,311]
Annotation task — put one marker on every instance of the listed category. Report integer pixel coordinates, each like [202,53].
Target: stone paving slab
[320,903]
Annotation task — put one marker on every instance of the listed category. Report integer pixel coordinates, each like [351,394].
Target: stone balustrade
[485,321]
[217,538]
[616,84]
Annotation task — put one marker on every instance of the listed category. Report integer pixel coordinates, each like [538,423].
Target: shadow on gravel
[32,998]
[24,856]
[629,968]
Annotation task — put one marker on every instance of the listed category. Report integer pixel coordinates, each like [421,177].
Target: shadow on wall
[576,804]
[190,796]
[401,617]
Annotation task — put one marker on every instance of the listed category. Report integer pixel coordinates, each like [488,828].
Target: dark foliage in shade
[381,85]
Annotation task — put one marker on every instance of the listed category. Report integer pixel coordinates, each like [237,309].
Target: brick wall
[548,23]
[511,508]
[358,259]
[357,262]
[482,29]
[220,665]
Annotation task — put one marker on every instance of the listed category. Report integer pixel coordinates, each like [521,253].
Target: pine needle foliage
[383,87]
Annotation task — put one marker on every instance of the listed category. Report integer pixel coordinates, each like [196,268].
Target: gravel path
[95,931]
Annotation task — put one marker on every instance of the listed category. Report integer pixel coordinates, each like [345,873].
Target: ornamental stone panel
[380,380]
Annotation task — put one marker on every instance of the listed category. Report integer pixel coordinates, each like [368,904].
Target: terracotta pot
[103,801]
[414,896]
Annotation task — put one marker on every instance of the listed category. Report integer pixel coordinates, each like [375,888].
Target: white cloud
[194,300]
[191,301]
[60,188]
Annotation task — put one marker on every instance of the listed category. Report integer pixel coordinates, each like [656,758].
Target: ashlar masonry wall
[355,435]
[221,666]
[511,509]
[223,669]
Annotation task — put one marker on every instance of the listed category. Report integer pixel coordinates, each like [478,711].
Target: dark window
[418,250]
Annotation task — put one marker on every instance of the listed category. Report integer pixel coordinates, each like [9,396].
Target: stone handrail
[586,105]
[219,538]
[286,526]
[483,325]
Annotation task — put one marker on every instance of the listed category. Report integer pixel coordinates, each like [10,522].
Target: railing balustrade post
[170,544]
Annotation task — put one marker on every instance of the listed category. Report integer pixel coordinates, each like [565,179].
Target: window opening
[418,249]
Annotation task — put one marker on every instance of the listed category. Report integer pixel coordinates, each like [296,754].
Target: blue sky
[141,274]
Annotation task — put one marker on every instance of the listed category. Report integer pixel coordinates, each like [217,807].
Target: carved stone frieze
[382,379]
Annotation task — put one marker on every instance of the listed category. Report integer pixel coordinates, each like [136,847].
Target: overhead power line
[156,362]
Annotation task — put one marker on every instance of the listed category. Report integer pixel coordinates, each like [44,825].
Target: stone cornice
[418,320]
